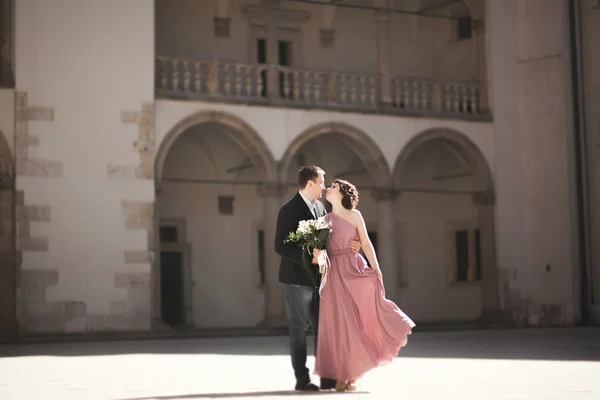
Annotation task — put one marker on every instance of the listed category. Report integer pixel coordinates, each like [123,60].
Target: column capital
[486,198]
[270,190]
[384,194]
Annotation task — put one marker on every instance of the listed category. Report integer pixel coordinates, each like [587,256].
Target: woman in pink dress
[359,329]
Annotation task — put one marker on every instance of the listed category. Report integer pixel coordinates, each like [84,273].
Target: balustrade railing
[312,88]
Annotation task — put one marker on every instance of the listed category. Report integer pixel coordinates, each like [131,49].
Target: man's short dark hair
[308,173]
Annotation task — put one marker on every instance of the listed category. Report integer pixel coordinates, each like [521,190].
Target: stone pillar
[8,271]
[386,239]
[481,63]
[383,52]
[271,194]
[222,21]
[7,78]
[484,201]
[271,7]
[477,12]
[547,143]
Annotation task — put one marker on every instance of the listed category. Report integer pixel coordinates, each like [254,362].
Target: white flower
[321,223]
[304,227]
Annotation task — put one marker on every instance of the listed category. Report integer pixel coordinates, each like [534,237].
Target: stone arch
[461,144]
[8,270]
[483,198]
[362,145]
[241,133]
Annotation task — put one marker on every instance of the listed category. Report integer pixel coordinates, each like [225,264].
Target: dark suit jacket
[290,268]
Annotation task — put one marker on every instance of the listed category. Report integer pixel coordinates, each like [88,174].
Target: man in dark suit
[301,294]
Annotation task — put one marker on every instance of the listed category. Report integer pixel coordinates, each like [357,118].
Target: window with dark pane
[226,205]
[261,256]
[464,28]
[461,243]
[261,51]
[168,234]
[261,58]
[285,53]
[284,58]
[477,255]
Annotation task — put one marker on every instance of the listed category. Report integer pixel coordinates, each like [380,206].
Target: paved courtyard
[507,364]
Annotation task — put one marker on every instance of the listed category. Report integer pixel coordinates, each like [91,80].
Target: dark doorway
[171,287]
[284,58]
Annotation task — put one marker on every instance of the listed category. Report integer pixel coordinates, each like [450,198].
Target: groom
[302,297]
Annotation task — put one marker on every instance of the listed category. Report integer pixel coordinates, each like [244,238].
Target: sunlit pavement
[506,364]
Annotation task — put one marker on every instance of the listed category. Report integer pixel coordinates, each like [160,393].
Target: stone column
[551,275]
[222,21]
[383,52]
[484,201]
[7,36]
[386,239]
[271,193]
[481,63]
[271,7]
[480,48]
[8,268]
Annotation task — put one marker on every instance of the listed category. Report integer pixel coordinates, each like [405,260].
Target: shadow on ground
[521,344]
[281,393]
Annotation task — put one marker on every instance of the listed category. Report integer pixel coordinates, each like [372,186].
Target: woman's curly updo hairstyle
[349,194]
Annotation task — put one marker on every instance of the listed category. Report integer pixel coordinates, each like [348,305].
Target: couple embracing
[355,327]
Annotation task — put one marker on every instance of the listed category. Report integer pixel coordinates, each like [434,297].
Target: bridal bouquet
[311,234]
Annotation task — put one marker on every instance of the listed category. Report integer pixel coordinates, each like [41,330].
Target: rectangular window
[225,205]
[477,255]
[464,27]
[261,51]
[261,256]
[168,234]
[284,55]
[461,243]
[467,255]
[284,58]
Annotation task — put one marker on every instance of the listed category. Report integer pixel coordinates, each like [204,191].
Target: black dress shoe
[306,386]
[327,384]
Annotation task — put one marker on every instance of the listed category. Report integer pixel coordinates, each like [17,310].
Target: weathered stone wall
[84,164]
[536,227]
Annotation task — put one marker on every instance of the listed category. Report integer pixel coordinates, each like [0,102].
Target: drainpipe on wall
[578,146]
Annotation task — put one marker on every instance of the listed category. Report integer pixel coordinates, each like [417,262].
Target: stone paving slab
[528,364]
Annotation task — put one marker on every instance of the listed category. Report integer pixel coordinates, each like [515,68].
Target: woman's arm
[365,242]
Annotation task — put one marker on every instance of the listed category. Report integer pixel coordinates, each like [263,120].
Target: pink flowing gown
[359,329]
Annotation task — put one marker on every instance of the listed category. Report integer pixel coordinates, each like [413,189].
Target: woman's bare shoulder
[356,216]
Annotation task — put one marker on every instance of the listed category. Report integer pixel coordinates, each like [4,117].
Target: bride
[359,329]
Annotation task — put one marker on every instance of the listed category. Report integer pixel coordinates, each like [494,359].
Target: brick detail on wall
[37,314]
[25,215]
[143,146]
[25,165]
[135,312]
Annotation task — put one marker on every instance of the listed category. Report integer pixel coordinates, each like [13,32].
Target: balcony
[313,89]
